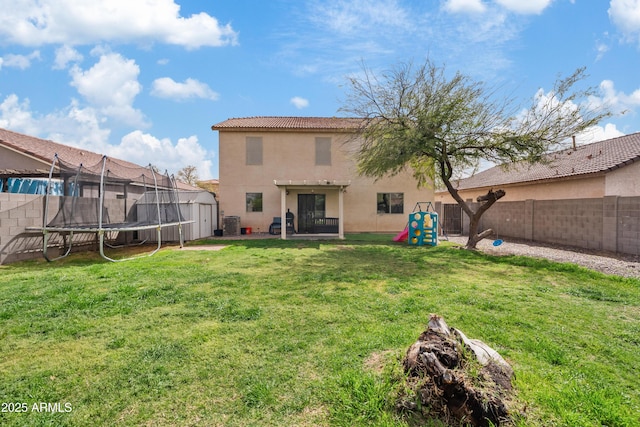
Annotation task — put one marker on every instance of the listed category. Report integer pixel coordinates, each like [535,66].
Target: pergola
[311,185]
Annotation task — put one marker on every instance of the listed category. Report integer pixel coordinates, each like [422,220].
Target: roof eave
[623,164]
[29,154]
[531,182]
[281,129]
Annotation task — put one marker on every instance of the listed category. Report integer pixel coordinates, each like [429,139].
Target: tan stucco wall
[624,182]
[593,187]
[291,156]
[9,159]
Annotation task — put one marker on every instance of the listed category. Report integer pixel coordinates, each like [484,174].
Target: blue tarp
[31,186]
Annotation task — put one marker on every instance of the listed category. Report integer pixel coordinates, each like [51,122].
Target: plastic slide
[402,236]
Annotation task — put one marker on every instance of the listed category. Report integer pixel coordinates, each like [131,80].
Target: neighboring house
[605,168]
[304,166]
[586,196]
[25,165]
[26,157]
[211,185]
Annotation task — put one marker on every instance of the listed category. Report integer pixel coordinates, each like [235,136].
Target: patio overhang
[337,185]
[304,184]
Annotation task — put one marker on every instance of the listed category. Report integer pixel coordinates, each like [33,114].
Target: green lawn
[303,333]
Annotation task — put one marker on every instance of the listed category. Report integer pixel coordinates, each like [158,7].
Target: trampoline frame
[100,228]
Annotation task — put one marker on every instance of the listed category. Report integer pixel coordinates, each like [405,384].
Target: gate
[452,221]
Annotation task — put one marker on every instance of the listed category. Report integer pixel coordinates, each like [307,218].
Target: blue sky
[145,80]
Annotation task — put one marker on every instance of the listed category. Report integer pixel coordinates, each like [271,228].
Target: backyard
[304,333]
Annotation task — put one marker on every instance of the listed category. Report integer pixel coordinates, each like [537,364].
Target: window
[254,202]
[254,150]
[323,151]
[391,203]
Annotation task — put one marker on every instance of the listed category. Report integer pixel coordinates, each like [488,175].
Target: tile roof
[289,123]
[45,150]
[598,157]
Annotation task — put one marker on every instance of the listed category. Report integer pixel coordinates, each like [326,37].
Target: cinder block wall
[628,225]
[576,222]
[18,211]
[509,220]
[610,224]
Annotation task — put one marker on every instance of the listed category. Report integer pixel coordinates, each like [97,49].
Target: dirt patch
[203,248]
[377,361]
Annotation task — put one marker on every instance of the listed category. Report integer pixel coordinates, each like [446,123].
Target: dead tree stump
[458,379]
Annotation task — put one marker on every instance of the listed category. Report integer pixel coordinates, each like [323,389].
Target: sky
[144,80]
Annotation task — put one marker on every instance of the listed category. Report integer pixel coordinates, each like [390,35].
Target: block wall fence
[19,211]
[610,224]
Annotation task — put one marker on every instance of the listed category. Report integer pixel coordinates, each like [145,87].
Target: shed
[200,207]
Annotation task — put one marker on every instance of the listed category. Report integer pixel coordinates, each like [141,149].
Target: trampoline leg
[181,237]
[45,245]
[68,247]
[101,246]
[103,255]
[159,234]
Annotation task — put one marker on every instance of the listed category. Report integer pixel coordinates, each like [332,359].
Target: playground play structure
[111,200]
[422,227]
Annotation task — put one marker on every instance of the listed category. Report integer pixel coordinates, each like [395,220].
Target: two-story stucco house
[274,166]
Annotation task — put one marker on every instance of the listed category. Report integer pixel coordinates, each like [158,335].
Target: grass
[304,333]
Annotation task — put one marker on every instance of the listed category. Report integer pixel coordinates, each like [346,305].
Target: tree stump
[458,379]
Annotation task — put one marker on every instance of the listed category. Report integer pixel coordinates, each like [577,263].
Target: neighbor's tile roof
[598,157]
[45,150]
[289,123]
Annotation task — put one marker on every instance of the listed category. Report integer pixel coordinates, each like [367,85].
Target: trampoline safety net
[110,196]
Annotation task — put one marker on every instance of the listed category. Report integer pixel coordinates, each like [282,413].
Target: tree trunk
[438,367]
[474,236]
[486,202]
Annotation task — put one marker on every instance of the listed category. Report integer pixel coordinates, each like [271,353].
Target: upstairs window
[391,203]
[323,151]
[254,150]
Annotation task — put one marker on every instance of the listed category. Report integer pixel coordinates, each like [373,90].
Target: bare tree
[440,126]
[188,175]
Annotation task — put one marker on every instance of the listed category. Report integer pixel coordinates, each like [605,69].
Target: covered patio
[312,195]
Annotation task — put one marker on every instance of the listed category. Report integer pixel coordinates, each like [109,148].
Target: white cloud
[166,87]
[64,55]
[81,22]
[356,16]
[525,7]
[82,128]
[598,133]
[299,102]
[19,61]
[625,14]
[75,126]
[143,148]
[465,6]
[601,49]
[16,115]
[618,102]
[111,85]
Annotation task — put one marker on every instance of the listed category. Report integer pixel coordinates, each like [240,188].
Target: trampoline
[112,200]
